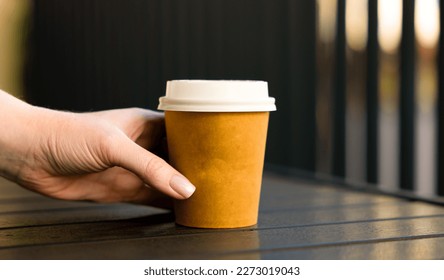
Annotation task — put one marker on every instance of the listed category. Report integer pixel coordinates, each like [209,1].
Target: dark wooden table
[299,219]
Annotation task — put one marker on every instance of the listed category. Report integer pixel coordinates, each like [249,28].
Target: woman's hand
[101,156]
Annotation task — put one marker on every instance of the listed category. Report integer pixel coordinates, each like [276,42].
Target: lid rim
[217,96]
[218,110]
[190,105]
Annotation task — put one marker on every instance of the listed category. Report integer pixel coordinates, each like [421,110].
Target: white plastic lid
[217,96]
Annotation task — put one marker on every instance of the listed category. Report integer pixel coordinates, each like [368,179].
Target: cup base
[212,226]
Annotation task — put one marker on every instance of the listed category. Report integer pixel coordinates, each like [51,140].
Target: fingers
[153,170]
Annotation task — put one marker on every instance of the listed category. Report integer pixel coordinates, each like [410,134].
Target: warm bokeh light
[427,22]
[13,16]
[356,24]
[390,24]
[327,20]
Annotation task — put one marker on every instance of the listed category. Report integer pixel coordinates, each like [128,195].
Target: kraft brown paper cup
[216,133]
[222,154]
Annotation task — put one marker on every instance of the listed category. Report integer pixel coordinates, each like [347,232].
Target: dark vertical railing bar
[272,20]
[339,87]
[440,158]
[372,93]
[301,96]
[407,98]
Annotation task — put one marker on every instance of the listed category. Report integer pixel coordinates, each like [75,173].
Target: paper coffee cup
[216,132]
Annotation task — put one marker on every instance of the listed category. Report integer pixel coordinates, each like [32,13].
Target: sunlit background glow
[426,22]
[390,24]
[356,24]
[13,16]
[327,20]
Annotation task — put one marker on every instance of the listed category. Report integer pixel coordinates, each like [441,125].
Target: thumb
[153,170]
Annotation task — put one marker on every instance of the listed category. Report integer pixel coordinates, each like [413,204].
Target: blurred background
[358,83]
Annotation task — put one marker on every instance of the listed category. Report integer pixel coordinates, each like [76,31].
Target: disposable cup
[216,133]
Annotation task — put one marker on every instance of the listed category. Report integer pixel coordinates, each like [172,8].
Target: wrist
[18,135]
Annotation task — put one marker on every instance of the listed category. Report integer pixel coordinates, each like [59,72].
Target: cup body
[222,154]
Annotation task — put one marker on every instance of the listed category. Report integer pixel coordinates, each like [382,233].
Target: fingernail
[182,186]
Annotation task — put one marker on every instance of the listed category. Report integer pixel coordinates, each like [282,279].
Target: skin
[105,156]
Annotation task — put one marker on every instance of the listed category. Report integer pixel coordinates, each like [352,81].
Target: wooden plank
[32,204]
[145,226]
[279,193]
[318,200]
[63,216]
[347,214]
[411,249]
[223,244]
